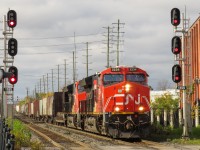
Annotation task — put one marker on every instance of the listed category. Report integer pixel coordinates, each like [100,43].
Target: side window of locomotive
[80,89]
[140,78]
[112,78]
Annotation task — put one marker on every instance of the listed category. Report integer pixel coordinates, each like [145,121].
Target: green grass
[194,137]
[23,136]
[167,134]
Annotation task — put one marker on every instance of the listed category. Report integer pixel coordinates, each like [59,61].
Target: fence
[7,140]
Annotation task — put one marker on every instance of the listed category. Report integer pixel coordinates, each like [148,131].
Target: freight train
[114,102]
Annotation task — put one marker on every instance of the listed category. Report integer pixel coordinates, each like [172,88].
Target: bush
[196,132]
[23,136]
[174,135]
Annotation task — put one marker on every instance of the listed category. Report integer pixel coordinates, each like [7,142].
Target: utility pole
[35,91]
[185,127]
[44,83]
[47,83]
[4,100]
[40,85]
[118,38]
[65,65]
[27,94]
[52,80]
[108,43]
[186,104]
[58,79]
[87,59]
[74,73]
[108,48]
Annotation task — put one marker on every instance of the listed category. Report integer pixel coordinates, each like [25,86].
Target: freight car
[48,107]
[44,109]
[114,102]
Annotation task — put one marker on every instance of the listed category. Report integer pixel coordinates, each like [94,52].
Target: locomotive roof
[124,68]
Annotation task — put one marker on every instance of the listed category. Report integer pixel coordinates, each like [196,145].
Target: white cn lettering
[137,102]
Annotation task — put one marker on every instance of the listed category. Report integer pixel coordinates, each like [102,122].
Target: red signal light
[175,21]
[176,50]
[176,78]
[12,23]
[12,80]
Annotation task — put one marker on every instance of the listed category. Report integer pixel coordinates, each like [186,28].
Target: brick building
[192,55]
[192,71]
[194,32]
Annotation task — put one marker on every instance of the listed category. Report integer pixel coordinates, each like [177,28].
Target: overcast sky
[45,32]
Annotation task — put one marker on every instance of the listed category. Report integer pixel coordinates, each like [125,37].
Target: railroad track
[105,140]
[69,138]
[52,138]
[57,139]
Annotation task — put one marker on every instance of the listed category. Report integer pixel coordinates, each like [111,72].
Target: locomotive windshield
[112,78]
[135,78]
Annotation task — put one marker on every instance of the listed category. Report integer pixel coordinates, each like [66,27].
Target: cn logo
[137,102]
[128,98]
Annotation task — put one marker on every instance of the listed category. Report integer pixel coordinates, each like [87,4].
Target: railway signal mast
[10,50]
[178,71]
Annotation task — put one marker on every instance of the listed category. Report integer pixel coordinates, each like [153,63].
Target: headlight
[141,108]
[117,109]
[127,87]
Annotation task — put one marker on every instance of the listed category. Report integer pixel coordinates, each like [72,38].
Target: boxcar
[40,109]
[54,105]
[36,109]
[31,110]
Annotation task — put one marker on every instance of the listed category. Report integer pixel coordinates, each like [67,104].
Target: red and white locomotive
[114,102]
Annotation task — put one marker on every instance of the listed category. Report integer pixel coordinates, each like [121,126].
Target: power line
[48,45]
[57,44]
[58,37]
[42,53]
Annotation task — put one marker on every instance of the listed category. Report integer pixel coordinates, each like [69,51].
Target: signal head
[176,45]
[14,78]
[176,73]
[175,17]
[12,18]
[12,47]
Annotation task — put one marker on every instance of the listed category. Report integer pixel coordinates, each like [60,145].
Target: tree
[167,103]
[163,85]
